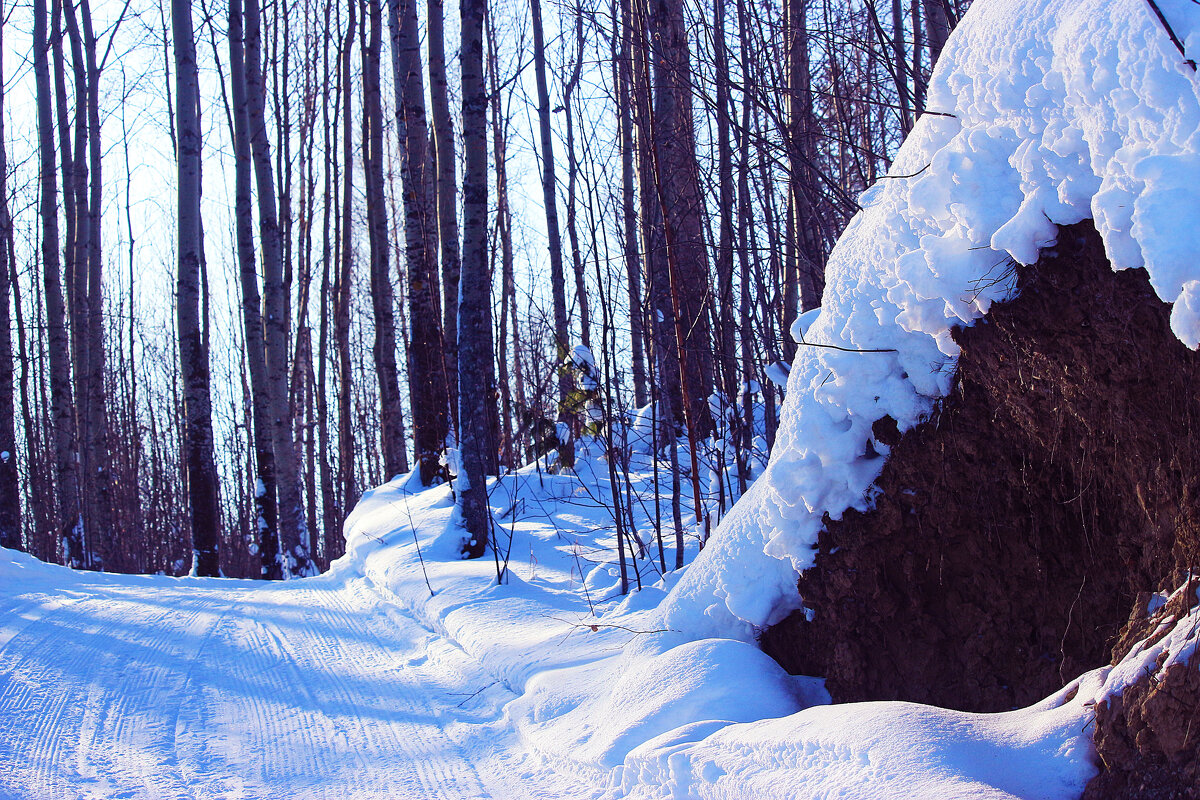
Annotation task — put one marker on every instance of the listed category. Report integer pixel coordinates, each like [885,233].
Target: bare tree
[266,522]
[426,366]
[66,477]
[549,198]
[10,495]
[341,304]
[445,169]
[293,534]
[474,313]
[382,298]
[193,355]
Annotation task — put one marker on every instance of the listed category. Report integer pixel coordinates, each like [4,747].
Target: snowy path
[129,687]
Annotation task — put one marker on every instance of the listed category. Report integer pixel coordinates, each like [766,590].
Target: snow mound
[876,751]
[654,689]
[1041,113]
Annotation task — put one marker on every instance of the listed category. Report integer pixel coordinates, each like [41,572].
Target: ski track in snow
[143,688]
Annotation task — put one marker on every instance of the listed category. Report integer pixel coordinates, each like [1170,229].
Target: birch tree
[193,356]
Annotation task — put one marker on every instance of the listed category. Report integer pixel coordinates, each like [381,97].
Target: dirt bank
[1017,526]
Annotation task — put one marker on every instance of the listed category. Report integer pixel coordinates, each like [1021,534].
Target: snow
[1046,112]
[407,671]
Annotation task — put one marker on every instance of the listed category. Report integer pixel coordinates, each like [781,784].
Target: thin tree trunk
[475,325]
[384,350]
[98,459]
[332,515]
[292,525]
[341,311]
[807,258]
[633,265]
[69,512]
[509,449]
[725,187]
[676,183]
[937,28]
[581,296]
[426,366]
[445,168]
[10,495]
[193,356]
[266,510]
[566,452]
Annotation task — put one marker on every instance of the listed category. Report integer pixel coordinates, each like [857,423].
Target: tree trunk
[676,177]
[633,265]
[341,311]
[725,186]
[69,512]
[193,356]
[426,367]
[445,169]
[807,254]
[266,510]
[475,324]
[296,560]
[332,514]
[581,296]
[96,443]
[382,301]
[10,496]
[937,28]
[510,451]
[562,341]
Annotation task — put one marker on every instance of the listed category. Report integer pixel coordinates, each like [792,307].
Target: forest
[634,400]
[258,258]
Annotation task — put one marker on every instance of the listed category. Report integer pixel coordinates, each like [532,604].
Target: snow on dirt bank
[1042,113]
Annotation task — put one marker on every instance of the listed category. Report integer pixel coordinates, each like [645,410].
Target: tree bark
[475,368]
[341,311]
[382,299]
[99,460]
[69,512]
[266,510]
[937,28]
[10,495]
[633,265]
[806,263]
[446,171]
[581,295]
[510,451]
[427,385]
[293,534]
[193,356]
[681,242]
[566,452]
[725,186]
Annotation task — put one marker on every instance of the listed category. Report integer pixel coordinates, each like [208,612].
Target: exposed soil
[1148,738]
[1017,526]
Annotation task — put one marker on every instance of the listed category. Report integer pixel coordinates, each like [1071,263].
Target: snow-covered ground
[370,682]
[408,672]
[152,687]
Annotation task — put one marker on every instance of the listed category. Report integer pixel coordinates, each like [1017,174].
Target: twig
[1170,32]
[851,349]
[913,175]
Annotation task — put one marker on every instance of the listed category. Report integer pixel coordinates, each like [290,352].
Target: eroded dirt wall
[1016,527]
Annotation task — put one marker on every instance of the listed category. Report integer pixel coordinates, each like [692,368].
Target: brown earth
[1148,738]
[1015,528]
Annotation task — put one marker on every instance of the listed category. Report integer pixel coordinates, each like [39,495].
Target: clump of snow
[1041,113]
